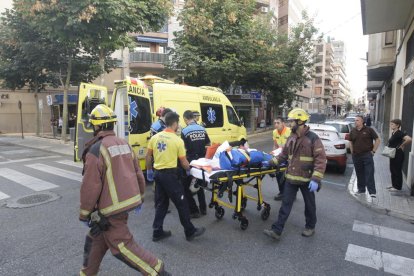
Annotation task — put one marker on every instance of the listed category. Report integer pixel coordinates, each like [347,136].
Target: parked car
[335,148]
[317,118]
[350,119]
[344,128]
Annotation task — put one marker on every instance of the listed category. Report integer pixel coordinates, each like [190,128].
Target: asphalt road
[48,239]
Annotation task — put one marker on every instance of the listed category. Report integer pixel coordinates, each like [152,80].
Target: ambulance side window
[212,115]
[232,116]
[140,114]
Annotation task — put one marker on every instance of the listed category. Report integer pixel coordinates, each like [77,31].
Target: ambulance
[135,102]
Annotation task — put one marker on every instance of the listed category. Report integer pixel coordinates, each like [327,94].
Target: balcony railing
[144,57]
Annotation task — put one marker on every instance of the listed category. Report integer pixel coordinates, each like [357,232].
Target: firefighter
[307,163]
[159,125]
[112,185]
[195,140]
[165,148]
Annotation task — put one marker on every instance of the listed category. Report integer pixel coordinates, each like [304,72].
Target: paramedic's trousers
[170,187]
[190,197]
[289,195]
[120,242]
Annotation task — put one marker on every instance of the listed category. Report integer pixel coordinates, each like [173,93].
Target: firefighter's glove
[138,210]
[150,175]
[98,223]
[313,186]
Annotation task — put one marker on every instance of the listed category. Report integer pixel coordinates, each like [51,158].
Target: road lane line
[28,159]
[333,183]
[70,163]
[28,181]
[3,196]
[378,260]
[383,232]
[56,171]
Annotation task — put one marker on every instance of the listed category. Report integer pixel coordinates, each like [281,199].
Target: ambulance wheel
[219,212]
[244,223]
[243,203]
[265,214]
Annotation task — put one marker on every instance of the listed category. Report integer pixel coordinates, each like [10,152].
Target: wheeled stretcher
[233,184]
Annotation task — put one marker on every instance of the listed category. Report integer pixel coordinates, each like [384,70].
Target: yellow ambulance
[135,102]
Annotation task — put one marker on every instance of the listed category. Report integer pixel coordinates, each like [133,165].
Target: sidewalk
[398,204]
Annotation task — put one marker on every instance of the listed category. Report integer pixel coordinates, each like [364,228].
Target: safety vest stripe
[318,174]
[245,155]
[318,149]
[297,178]
[121,205]
[82,274]
[305,158]
[158,266]
[135,259]
[84,212]
[109,176]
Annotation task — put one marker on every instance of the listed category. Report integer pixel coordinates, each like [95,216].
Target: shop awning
[152,39]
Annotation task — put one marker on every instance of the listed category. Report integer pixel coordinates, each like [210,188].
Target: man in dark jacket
[307,163]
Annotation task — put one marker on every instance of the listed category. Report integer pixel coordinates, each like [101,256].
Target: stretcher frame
[242,179]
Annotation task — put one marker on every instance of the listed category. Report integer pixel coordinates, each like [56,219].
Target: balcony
[263,3]
[147,60]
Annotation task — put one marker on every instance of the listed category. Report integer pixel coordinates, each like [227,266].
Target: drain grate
[32,200]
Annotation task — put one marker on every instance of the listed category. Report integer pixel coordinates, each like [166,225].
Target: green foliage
[228,44]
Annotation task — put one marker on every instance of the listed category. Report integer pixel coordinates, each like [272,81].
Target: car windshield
[326,134]
[341,128]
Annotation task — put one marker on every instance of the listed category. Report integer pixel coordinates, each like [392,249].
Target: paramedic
[307,163]
[159,125]
[280,136]
[166,148]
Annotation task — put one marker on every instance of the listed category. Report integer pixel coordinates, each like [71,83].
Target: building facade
[390,70]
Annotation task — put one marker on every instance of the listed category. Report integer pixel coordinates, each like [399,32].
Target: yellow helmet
[102,114]
[298,114]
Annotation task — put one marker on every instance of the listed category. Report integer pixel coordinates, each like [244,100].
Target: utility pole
[19,104]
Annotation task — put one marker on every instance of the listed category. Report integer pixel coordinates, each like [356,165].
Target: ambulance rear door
[131,104]
[90,95]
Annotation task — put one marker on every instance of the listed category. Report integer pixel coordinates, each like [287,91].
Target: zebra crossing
[25,179]
[379,260]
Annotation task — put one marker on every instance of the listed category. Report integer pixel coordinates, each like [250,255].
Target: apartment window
[319,48]
[318,80]
[410,50]
[318,69]
[142,48]
[283,20]
[318,90]
[389,38]
[282,3]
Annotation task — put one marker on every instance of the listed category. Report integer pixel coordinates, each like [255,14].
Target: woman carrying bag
[398,140]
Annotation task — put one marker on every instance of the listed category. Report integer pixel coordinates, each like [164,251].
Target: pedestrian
[368,120]
[195,140]
[165,148]
[364,142]
[112,185]
[306,168]
[280,135]
[398,140]
[159,125]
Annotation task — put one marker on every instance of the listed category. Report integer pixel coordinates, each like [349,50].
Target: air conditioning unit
[264,9]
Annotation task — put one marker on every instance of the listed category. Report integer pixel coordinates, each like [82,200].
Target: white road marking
[56,171]
[333,183]
[378,260]
[70,163]
[383,232]
[28,159]
[3,196]
[28,181]
[18,151]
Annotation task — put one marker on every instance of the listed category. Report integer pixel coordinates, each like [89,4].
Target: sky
[340,19]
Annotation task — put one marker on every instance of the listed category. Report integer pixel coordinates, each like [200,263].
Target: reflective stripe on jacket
[112,182]
[306,158]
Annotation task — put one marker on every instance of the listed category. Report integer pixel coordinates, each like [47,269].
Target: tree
[225,44]
[91,28]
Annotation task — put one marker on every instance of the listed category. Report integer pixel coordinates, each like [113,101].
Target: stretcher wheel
[265,214]
[219,212]
[244,223]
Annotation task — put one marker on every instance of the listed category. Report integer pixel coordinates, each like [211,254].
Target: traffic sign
[49,99]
